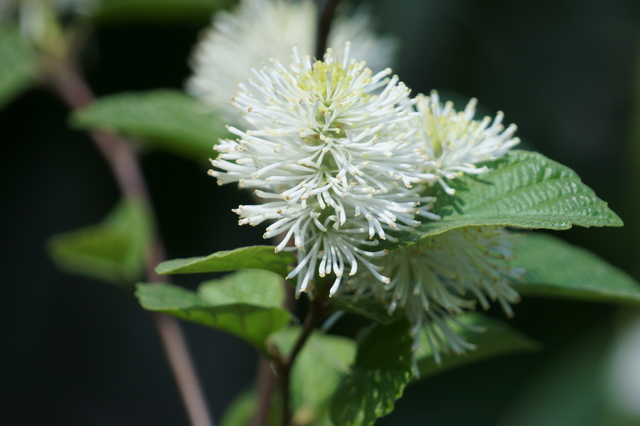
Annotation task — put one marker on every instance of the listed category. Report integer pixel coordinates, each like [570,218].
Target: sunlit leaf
[246,303]
[524,190]
[253,257]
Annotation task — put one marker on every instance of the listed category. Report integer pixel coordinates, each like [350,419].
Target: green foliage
[246,303]
[158,10]
[497,339]
[569,389]
[382,369]
[252,257]
[18,64]
[524,190]
[558,269]
[113,251]
[169,119]
[371,308]
[317,370]
[240,411]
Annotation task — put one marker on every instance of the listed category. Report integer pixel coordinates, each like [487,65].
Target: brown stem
[324,26]
[65,80]
[317,311]
[177,352]
[265,385]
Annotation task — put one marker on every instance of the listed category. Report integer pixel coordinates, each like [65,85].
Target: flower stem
[65,80]
[265,384]
[318,307]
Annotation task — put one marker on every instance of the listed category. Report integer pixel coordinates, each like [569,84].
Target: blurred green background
[77,352]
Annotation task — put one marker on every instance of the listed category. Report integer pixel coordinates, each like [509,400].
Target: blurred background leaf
[558,269]
[498,338]
[167,119]
[568,391]
[113,251]
[18,64]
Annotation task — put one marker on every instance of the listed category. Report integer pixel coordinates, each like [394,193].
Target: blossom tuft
[444,275]
[332,150]
[457,142]
[260,30]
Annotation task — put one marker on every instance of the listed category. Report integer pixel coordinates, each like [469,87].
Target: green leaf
[570,388]
[522,189]
[498,339]
[559,269]
[317,370]
[170,119]
[253,257]
[113,251]
[158,10]
[246,303]
[18,64]
[371,308]
[382,369]
[241,410]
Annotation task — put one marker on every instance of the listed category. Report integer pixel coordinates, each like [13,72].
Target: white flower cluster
[338,163]
[342,156]
[260,30]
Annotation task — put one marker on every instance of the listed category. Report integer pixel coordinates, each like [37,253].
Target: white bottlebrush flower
[260,30]
[458,142]
[332,150]
[444,275]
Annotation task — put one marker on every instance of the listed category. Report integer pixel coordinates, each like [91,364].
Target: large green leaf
[252,257]
[382,369]
[497,339]
[158,10]
[246,303]
[170,119]
[18,64]
[317,370]
[113,251]
[522,189]
[559,269]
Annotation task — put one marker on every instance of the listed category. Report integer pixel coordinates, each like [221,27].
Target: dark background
[78,352]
